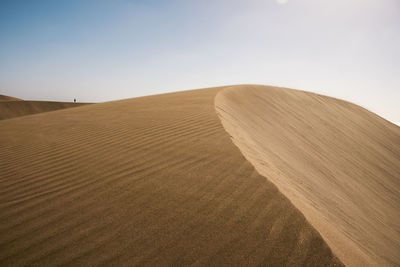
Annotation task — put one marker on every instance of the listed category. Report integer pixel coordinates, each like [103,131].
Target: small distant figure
[74,100]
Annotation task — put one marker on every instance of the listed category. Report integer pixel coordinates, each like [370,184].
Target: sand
[11,107]
[338,163]
[145,181]
[8,98]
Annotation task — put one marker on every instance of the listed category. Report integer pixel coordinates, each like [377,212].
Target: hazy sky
[104,50]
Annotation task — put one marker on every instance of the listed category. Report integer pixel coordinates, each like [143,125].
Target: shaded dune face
[145,181]
[16,108]
[337,162]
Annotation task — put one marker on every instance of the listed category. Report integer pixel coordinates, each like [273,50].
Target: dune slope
[337,162]
[15,108]
[144,181]
[8,98]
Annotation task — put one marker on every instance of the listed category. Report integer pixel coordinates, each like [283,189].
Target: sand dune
[144,181]
[13,107]
[8,98]
[337,162]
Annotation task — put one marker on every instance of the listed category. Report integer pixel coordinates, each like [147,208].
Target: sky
[98,50]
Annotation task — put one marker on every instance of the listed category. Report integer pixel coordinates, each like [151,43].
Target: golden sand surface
[13,107]
[153,181]
[338,163]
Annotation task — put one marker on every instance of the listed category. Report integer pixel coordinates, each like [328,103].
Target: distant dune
[8,98]
[11,107]
[337,162]
[145,181]
[158,181]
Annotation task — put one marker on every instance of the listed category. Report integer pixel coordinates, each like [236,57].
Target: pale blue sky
[104,50]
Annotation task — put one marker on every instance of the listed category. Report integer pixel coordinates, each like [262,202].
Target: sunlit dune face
[282,2]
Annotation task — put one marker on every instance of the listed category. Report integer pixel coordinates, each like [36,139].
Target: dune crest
[337,162]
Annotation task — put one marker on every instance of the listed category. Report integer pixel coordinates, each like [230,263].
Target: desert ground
[244,175]
[11,107]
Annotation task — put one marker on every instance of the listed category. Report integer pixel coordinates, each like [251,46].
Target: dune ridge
[337,162]
[12,107]
[144,181]
[8,98]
